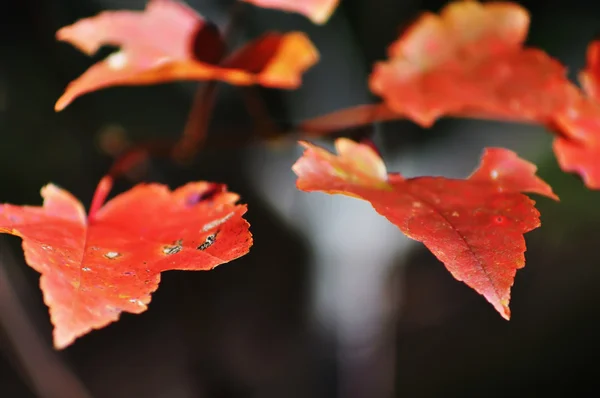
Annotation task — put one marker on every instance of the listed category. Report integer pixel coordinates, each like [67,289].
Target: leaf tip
[61,104]
[322,14]
[505,311]
[61,34]
[61,339]
[304,144]
[502,306]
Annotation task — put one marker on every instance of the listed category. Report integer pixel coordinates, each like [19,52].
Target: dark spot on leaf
[499,219]
[174,248]
[208,242]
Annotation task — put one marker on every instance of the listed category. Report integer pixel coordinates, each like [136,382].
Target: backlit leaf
[474,226]
[93,268]
[577,146]
[590,75]
[470,58]
[170,41]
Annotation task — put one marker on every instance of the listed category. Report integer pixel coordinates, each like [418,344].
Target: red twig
[196,127]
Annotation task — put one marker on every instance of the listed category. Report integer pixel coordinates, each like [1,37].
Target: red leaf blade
[590,75]
[577,148]
[470,57]
[474,226]
[92,271]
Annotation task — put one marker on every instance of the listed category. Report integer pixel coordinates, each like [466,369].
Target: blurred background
[332,301]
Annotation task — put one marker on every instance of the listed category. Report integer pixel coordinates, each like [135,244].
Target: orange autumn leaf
[470,58]
[590,75]
[170,41]
[469,61]
[318,11]
[474,226]
[577,146]
[93,268]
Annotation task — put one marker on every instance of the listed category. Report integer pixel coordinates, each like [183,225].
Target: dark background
[245,329]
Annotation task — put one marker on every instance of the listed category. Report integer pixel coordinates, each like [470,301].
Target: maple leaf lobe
[359,165]
[510,172]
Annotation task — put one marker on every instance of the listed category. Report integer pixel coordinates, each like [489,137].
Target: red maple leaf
[318,11]
[590,75]
[93,268]
[158,45]
[470,58]
[474,226]
[577,146]
[468,61]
